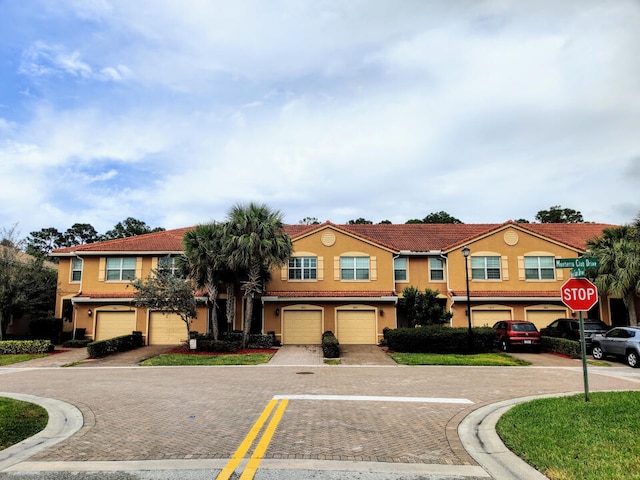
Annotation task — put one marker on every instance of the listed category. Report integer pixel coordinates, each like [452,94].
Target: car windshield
[523,327]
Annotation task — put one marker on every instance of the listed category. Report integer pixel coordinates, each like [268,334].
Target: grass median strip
[569,439]
[8,359]
[19,420]
[179,359]
[477,360]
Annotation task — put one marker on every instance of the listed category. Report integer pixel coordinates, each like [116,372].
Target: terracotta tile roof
[505,293]
[398,237]
[336,293]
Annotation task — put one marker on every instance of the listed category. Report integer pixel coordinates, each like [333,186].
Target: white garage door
[166,329]
[302,327]
[542,318]
[480,318]
[114,324]
[357,327]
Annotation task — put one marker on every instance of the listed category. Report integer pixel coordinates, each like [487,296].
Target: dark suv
[570,328]
[620,342]
[516,333]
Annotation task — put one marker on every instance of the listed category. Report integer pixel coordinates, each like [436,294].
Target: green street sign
[582,262]
[578,272]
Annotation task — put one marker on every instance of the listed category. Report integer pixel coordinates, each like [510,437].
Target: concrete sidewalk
[311,355]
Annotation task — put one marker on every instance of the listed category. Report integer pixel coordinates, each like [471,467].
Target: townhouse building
[344,278]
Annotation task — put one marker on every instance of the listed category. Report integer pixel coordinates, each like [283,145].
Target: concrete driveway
[386,422]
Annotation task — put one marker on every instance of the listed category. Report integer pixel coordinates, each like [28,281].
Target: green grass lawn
[7,359]
[480,359]
[179,359]
[570,439]
[19,420]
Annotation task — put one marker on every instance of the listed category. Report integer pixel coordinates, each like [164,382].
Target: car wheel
[504,345]
[633,360]
[597,352]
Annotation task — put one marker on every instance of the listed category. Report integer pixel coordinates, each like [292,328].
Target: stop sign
[579,294]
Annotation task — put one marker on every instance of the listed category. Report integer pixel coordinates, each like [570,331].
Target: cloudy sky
[172,111]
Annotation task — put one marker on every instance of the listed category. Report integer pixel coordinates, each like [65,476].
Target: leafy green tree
[80,234]
[130,227]
[435,217]
[557,214]
[385,222]
[423,308]
[207,264]
[163,291]
[309,221]
[618,273]
[360,221]
[41,242]
[255,243]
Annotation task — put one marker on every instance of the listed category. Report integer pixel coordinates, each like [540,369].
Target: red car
[517,333]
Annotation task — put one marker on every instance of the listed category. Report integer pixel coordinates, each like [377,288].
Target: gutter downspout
[75,313]
[446,262]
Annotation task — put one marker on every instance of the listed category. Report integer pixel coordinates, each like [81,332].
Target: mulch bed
[184,350]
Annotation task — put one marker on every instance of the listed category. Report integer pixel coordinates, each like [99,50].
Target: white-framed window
[121,268]
[303,268]
[539,268]
[400,269]
[168,263]
[354,268]
[436,269]
[485,268]
[76,269]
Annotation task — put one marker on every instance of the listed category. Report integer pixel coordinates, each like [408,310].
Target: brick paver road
[205,412]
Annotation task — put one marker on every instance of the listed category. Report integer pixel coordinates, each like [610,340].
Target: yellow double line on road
[252,466]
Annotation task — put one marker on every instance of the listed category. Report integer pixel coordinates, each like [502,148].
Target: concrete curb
[477,432]
[64,421]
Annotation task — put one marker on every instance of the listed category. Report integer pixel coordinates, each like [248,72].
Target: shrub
[76,343]
[562,346]
[9,347]
[330,345]
[206,344]
[437,339]
[123,343]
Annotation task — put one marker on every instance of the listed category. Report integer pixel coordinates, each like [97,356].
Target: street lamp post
[465,254]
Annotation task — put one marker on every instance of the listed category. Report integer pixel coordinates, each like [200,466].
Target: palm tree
[206,264]
[255,243]
[618,252]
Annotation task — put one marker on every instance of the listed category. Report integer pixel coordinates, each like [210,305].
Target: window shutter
[284,271]
[521,275]
[138,267]
[336,268]
[374,268]
[505,268]
[102,268]
[154,263]
[320,268]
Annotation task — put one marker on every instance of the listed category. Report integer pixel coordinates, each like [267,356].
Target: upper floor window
[121,268]
[400,269]
[485,268]
[169,264]
[303,268]
[539,268]
[436,269]
[76,269]
[354,268]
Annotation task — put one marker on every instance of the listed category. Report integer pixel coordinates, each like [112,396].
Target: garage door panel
[166,329]
[302,327]
[114,324]
[542,318]
[357,327]
[481,318]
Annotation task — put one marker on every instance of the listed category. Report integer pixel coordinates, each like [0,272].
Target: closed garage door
[166,329]
[302,327]
[542,318]
[114,324]
[357,327]
[480,318]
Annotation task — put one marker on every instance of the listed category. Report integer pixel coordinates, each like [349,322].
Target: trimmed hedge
[562,346]
[76,343]
[330,345]
[439,339]
[124,343]
[13,347]
[210,345]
